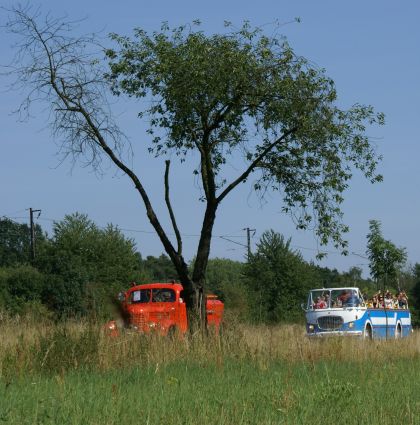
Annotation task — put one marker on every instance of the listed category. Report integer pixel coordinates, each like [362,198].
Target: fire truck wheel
[171,332]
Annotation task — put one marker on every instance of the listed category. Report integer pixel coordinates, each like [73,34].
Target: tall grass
[73,374]
[26,347]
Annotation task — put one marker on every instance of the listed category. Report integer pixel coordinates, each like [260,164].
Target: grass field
[72,374]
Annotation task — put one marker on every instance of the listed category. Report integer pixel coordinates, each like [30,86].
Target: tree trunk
[201,262]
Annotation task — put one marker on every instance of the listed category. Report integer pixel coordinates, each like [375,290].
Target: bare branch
[63,70]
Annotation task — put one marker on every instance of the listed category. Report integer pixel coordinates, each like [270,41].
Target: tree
[20,287]
[225,278]
[278,279]
[415,292]
[85,265]
[385,258]
[15,242]
[160,269]
[241,93]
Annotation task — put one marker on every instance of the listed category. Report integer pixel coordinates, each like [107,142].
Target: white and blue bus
[343,311]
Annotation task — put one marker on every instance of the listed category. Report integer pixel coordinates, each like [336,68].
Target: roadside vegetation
[80,267]
[238,94]
[57,365]
[71,373]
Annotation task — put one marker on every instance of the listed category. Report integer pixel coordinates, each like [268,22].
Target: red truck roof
[174,286]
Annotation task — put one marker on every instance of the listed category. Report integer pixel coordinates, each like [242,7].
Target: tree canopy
[385,258]
[240,93]
[15,242]
[278,279]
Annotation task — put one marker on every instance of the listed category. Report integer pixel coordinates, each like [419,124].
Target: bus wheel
[368,334]
[398,332]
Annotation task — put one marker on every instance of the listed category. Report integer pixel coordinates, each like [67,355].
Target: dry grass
[72,373]
[35,347]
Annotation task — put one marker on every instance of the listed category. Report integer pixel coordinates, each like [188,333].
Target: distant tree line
[80,268]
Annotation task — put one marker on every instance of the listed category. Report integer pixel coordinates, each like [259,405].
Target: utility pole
[31,221]
[248,239]
[248,236]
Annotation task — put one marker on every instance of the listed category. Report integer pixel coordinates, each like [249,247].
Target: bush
[20,286]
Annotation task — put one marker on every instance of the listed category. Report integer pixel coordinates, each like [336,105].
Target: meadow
[73,374]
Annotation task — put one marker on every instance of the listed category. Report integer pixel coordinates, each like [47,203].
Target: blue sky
[370,49]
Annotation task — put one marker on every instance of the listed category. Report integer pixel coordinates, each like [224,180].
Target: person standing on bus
[320,303]
[388,301]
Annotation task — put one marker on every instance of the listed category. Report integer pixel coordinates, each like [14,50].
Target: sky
[371,51]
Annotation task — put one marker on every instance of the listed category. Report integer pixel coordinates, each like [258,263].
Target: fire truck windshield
[164,295]
[140,296]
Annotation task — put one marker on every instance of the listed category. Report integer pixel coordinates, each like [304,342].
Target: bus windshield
[334,298]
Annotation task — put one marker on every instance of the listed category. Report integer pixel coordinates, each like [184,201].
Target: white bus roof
[336,289]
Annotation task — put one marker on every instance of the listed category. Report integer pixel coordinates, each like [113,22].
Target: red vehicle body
[160,307]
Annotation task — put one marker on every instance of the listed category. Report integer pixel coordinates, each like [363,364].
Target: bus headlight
[311,328]
[351,325]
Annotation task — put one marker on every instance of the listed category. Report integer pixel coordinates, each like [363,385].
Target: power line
[151,232]
[229,240]
[223,237]
[14,212]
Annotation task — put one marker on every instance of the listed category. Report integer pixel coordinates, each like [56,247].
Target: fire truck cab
[160,307]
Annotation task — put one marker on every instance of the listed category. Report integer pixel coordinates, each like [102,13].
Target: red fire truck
[160,307]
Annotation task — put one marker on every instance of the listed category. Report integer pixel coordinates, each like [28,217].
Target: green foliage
[159,269]
[278,279]
[80,249]
[76,272]
[330,278]
[225,278]
[244,93]
[386,260]
[66,295]
[222,273]
[82,267]
[86,265]
[15,242]
[20,287]
[415,293]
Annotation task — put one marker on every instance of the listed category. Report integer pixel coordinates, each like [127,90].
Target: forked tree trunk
[194,284]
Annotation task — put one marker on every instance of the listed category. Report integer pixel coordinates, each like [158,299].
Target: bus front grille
[330,323]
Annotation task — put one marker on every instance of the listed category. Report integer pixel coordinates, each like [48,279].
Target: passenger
[320,303]
[356,300]
[395,301]
[352,300]
[327,300]
[388,301]
[402,300]
[379,295]
[380,301]
[345,295]
[375,301]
